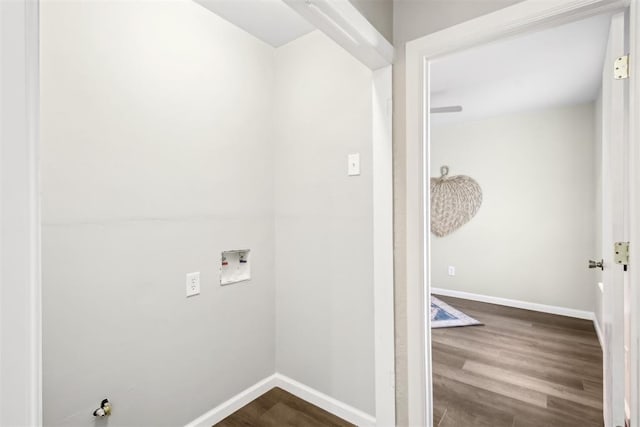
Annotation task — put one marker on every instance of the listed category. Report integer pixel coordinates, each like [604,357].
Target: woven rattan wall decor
[454,201]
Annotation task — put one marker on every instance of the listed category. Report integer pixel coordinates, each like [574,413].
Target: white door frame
[634,207]
[20,288]
[383,248]
[20,248]
[614,226]
[521,17]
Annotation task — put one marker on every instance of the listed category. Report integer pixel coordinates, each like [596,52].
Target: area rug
[445,316]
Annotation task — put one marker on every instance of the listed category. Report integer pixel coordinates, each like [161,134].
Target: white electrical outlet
[452,270]
[193,284]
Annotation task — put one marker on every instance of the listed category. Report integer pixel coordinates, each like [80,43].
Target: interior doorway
[513,223]
[421,53]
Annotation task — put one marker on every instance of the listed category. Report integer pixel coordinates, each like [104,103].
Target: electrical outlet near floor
[452,270]
[193,284]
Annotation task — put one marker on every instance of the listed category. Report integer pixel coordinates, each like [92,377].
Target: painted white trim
[341,21]
[596,323]
[598,329]
[627,409]
[20,283]
[383,248]
[35,279]
[634,207]
[321,400]
[418,345]
[231,405]
[544,308]
[328,403]
[524,16]
[614,224]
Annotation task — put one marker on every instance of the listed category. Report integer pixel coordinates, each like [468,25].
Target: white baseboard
[228,407]
[329,404]
[552,309]
[596,325]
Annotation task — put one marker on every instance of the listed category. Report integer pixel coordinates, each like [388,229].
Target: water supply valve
[104,410]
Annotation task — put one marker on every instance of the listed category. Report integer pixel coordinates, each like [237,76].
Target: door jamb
[634,206]
[524,16]
[20,283]
[383,248]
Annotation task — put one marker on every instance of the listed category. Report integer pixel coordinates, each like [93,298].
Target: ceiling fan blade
[451,109]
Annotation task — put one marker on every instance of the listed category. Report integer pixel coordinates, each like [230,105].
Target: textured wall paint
[324,222]
[156,156]
[379,13]
[413,19]
[536,228]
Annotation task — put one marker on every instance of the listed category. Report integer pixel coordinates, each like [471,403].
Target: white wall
[156,156]
[536,228]
[324,273]
[159,151]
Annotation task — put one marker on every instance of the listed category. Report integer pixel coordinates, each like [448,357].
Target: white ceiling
[269,20]
[558,66]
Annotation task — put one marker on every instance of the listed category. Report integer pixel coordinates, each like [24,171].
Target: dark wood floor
[521,369]
[277,408]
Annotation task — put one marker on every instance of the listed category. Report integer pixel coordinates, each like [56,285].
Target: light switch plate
[452,270]
[193,284]
[354,164]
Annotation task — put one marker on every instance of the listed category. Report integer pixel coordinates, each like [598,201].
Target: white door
[615,224]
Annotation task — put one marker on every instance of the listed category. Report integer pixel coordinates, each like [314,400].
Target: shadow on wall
[156,156]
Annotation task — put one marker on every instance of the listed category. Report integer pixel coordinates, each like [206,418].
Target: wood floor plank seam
[551,373]
[545,387]
[450,392]
[500,348]
[520,369]
[478,352]
[523,394]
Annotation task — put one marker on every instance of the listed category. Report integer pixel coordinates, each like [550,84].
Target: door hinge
[621,68]
[621,254]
